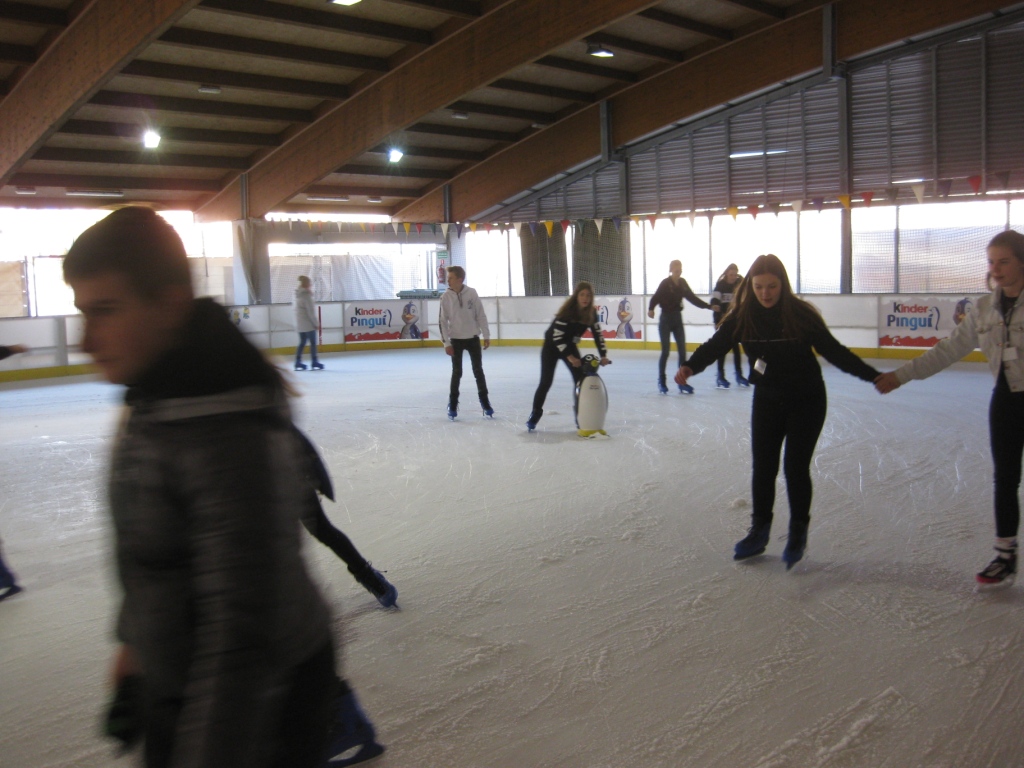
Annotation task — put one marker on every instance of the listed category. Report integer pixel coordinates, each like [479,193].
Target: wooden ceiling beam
[199,107]
[443,153]
[537,89]
[140,157]
[10,53]
[35,15]
[690,25]
[170,133]
[227,78]
[761,7]
[770,56]
[495,110]
[463,132]
[467,9]
[394,171]
[359,190]
[585,68]
[310,17]
[91,50]
[421,85]
[75,181]
[271,49]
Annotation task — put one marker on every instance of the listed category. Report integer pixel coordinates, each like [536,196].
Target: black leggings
[1006,429]
[737,356]
[549,357]
[476,362]
[316,522]
[671,324]
[797,419]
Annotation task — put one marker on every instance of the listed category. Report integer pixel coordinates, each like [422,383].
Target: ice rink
[570,602]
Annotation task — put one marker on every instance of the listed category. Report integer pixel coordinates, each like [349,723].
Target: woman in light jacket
[997,326]
[305,324]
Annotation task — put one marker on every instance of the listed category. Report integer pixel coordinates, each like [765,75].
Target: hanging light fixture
[598,50]
[395,154]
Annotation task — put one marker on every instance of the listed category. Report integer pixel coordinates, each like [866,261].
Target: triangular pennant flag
[533,228]
[598,223]
[433,229]
[518,225]
[975,182]
[407,225]
[918,192]
[692,216]
[635,220]
[652,218]
[672,219]
[502,227]
[867,197]
[752,210]
[419,229]
[565,225]
[290,224]
[845,200]
[733,211]
[776,207]
[444,229]
[892,193]
[549,226]
[617,222]
[942,186]
[362,226]
[797,205]
[488,227]
[458,230]
[339,226]
[472,226]
[1004,179]
[819,203]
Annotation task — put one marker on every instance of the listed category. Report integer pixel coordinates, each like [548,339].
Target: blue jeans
[305,336]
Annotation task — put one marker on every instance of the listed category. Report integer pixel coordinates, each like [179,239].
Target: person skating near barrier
[669,296]
[462,322]
[8,583]
[780,333]
[575,317]
[721,299]
[306,324]
[996,324]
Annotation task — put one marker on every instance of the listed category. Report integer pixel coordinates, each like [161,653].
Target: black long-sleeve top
[722,297]
[670,296]
[790,362]
[5,352]
[566,334]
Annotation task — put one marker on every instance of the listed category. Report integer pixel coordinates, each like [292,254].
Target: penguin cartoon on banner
[591,399]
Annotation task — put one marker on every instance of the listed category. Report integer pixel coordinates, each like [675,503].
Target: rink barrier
[521,321]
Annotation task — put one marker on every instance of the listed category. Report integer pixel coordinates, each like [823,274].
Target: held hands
[605,361]
[683,374]
[886,383]
[575,362]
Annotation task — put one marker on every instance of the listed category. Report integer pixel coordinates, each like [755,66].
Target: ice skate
[300,366]
[1001,571]
[377,585]
[486,405]
[795,546]
[722,383]
[453,410]
[754,543]
[685,389]
[662,388]
[351,730]
[741,381]
[318,366]
[531,423]
[9,591]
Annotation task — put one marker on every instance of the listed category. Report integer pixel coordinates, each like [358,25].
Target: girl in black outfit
[721,298]
[670,294]
[572,320]
[780,334]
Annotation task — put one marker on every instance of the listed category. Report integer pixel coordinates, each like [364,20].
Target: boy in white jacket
[462,321]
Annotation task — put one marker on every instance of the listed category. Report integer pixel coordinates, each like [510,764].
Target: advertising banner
[617,317]
[384,321]
[920,321]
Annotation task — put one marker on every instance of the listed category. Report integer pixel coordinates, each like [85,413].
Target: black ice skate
[1001,571]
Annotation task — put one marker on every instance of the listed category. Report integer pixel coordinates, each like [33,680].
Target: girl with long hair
[669,295]
[997,326]
[721,299]
[780,333]
[576,315]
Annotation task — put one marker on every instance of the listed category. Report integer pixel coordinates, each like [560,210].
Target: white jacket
[305,312]
[462,316]
[985,328]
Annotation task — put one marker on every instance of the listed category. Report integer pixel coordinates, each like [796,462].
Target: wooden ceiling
[292,105]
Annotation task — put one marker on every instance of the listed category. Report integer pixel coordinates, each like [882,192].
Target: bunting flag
[918,192]
[458,230]
[419,229]
[733,211]
[867,197]
[845,200]
[406,226]
[598,223]
[533,228]
[549,226]
[635,220]
[797,206]
[652,218]
[752,210]
[776,207]
[565,225]
[672,219]
[444,230]
[518,226]
[433,229]
[617,222]
[942,186]
[362,226]
[692,216]
[819,203]
[502,227]
[488,227]
[975,182]
[892,193]
[1004,179]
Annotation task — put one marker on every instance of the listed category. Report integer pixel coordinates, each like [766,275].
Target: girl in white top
[997,326]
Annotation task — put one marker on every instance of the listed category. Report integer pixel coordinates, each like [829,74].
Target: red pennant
[975,182]
[419,229]
[867,197]
[565,225]
[752,210]
[652,218]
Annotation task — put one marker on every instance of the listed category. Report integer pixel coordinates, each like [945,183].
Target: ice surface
[569,602]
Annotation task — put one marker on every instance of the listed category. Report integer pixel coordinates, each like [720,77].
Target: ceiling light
[460,116]
[759,153]
[214,89]
[24,190]
[596,49]
[343,2]
[373,200]
[151,139]
[327,198]
[395,154]
[94,193]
